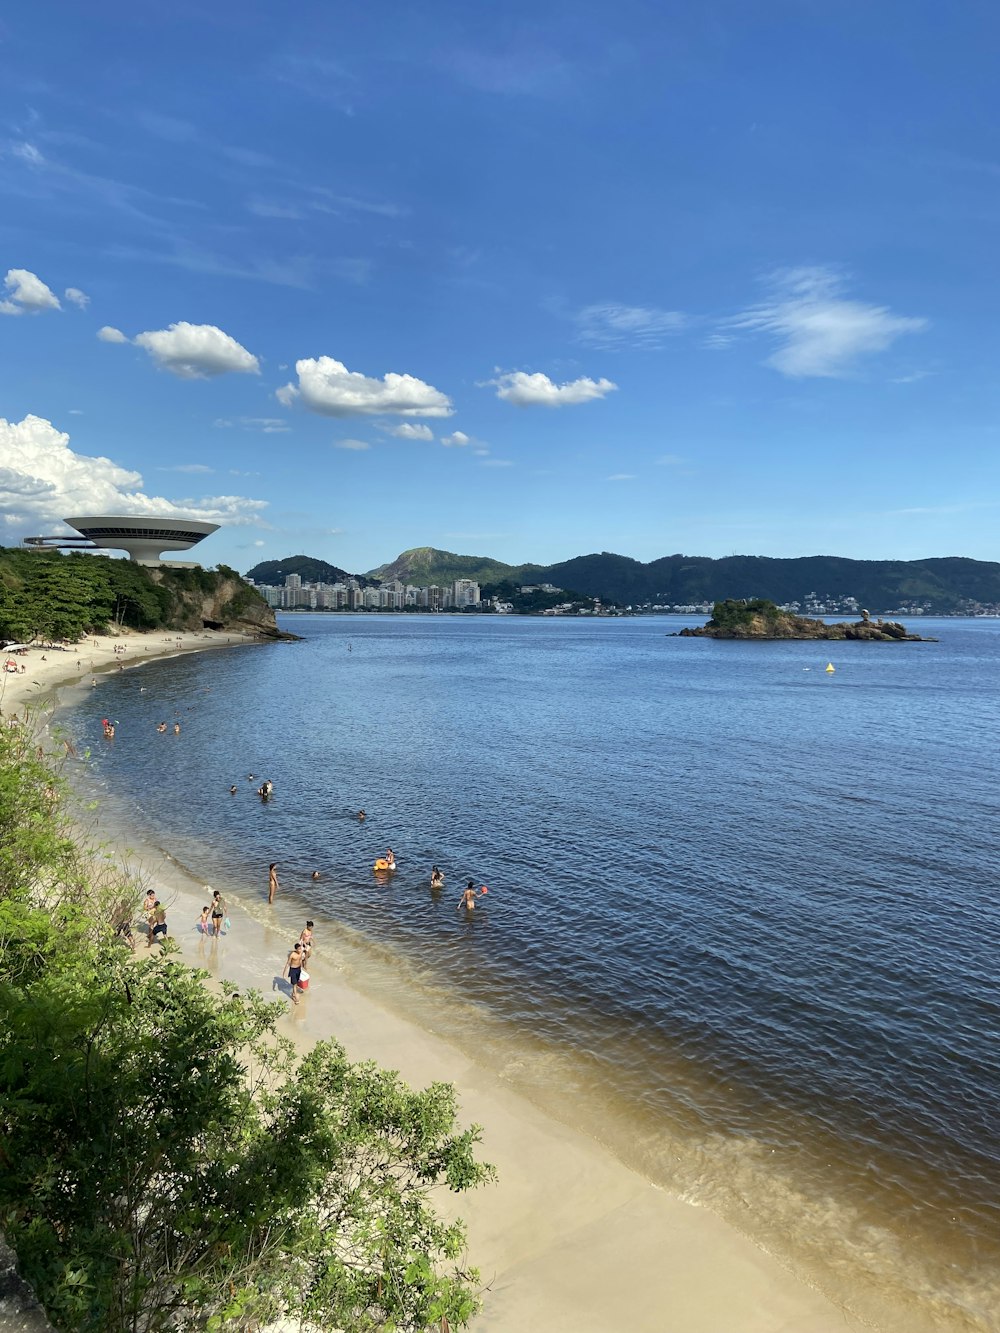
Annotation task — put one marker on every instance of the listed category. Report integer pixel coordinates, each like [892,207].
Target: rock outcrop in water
[760,619]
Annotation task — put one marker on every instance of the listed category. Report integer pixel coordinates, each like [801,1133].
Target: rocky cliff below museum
[760,619]
[214,599]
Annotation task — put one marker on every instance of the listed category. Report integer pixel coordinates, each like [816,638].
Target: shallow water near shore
[742,919]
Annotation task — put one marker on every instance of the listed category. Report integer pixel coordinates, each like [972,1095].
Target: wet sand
[569,1238]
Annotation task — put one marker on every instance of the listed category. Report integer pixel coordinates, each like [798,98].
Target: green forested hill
[46,595]
[272,573]
[424,565]
[945,584]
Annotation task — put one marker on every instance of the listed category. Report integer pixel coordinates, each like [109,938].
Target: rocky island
[760,619]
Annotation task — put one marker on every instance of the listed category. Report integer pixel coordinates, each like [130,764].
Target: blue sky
[527,281]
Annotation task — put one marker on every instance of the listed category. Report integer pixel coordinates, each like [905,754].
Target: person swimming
[437,879]
[361,816]
[232,791]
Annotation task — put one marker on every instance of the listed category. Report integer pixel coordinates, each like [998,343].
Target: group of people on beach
[295,964]
[213,915]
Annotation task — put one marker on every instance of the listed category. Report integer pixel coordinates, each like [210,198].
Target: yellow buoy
[830,667]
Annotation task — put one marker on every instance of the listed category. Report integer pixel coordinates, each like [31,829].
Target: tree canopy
[167,1160]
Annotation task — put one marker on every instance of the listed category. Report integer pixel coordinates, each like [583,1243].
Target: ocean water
[742,921]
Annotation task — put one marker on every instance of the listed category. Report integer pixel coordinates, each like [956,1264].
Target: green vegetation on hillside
[272,573]
[949,584]
[732,614]
[48,596]
[166,1160]
[424,566]
[528,603]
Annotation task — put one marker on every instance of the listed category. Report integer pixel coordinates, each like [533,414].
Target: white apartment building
[465,592]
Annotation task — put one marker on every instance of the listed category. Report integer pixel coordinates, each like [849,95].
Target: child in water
[203,923]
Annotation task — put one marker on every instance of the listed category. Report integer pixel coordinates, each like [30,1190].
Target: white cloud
[196,351]
[27,294]
[326,386]
[111,335]
[621,476]
[42,480]
[351,444]
[609,324]
[537,390]
[406,430]
[821,334]
[497,462]
[457,439]
[76,297]
[187,467]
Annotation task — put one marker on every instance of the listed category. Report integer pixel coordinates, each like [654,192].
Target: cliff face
[214,599]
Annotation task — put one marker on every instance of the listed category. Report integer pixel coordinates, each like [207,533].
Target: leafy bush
[166,1160]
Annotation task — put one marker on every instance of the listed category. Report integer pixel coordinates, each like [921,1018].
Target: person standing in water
[272,881]
[437,879]
[468,898]
[218,912]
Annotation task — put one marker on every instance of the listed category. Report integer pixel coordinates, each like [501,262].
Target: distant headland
[760,619]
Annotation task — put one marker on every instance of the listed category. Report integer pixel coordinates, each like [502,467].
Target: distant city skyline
[526,283]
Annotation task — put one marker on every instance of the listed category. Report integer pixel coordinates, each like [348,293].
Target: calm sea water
[742,920]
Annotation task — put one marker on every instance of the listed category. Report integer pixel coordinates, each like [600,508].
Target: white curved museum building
[144,536]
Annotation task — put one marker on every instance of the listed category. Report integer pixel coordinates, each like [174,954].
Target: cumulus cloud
[819,331]
[107,334]
[196,351]
[457,438]
[76,297]
[537,390]
[406,430]
[326,386]
[357,445]
[609,324]
[27,294]
[42,480]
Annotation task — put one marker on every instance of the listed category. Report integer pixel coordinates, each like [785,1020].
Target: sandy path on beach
[569,1239]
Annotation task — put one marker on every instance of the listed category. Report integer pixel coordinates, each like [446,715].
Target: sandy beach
[569,1238]
[46,668]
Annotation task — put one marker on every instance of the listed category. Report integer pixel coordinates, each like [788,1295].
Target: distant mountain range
[947,584]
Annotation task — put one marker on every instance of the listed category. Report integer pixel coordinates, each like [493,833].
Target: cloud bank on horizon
[43,481]
[772,296]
